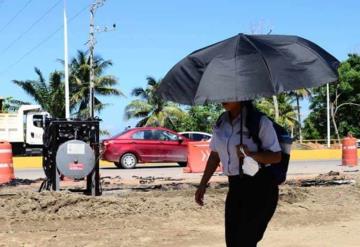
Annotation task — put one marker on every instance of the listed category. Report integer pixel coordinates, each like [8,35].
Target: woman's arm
[211,166]
[263,157]
[266,157]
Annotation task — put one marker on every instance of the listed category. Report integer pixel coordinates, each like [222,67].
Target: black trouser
[250,204]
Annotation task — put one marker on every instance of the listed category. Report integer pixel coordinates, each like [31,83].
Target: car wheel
[128,161]
[182,164]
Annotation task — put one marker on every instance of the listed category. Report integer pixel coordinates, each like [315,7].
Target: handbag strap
[241,161]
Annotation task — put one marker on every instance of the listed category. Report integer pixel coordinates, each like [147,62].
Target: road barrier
[6,163]
[349,152]
[198,154]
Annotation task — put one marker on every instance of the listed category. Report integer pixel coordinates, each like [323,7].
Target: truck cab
[35,127]
[24,129]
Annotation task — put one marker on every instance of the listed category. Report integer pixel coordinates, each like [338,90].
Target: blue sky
[151,36]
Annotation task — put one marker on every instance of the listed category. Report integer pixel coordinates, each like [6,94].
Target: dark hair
[250,110]
[248,105]
[252,115]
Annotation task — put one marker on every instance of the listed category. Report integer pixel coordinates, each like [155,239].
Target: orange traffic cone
[6,163]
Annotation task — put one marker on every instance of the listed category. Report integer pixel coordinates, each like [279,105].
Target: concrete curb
[296,155]
[36,162]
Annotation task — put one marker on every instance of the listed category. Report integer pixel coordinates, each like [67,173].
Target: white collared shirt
[226,137]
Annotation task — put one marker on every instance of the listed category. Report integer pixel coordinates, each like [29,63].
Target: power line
[43,41]
[31,27]
[15,16]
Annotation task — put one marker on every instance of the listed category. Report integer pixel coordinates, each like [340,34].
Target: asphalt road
[173,170]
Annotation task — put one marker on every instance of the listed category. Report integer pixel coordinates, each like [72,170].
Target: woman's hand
[199,195]
[211,165]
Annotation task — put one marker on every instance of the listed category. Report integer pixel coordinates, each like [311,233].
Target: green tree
[79,78]
[311,124]
[200,118]
[9,104]
[344,103]
[49,95]
[287,113]
[299,95]
[151,109]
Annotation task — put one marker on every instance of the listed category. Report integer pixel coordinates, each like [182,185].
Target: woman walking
[252,199]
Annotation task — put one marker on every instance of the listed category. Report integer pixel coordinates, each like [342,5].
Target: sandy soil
[161,212]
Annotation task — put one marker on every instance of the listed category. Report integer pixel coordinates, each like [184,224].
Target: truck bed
[11,127]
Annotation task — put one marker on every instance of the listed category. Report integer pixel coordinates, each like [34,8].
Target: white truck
[24,129]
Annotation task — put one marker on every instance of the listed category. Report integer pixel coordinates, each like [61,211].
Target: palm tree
[9,104]
[299,95]
[152,110]
[276,107]
[50,96]
[80,81]
[287,114]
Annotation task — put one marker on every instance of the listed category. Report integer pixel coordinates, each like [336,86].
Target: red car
[145,145]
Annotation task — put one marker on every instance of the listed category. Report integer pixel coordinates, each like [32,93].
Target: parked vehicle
[145,145]
[24,129]
[196,135]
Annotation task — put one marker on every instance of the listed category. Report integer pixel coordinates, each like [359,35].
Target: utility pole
[93,8]
[66,66]
[92,41]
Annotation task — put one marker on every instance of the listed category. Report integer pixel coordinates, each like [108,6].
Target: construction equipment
[71,149]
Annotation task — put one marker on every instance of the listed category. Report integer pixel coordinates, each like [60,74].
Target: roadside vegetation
[150,110]
[50,94]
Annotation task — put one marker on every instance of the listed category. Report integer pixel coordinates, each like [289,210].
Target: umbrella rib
[299,42]
[263,58]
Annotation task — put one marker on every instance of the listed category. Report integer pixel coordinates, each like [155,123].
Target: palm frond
[151,81]
[55,80]
[104,91]
[41,77]
[106,81]
[80,80]
[139,92]
[137,108]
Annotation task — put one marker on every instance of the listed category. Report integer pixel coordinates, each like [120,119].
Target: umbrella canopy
[245,67]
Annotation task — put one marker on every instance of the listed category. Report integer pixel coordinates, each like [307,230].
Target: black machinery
[71,149]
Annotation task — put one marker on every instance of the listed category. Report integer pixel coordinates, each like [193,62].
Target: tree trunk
[299,118]
[276,107]
[334,122]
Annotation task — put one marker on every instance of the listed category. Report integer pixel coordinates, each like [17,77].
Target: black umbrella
[245,67]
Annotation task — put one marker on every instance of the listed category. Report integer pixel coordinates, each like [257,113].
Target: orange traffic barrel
[349,152]
[6,163]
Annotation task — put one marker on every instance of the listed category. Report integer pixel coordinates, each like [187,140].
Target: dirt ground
[161,212]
